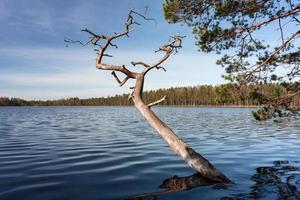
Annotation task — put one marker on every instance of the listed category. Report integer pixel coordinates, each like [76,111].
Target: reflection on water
[280,181]
[176,184]
[108,153]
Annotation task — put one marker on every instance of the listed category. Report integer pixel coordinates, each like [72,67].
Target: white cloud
[51,94]
[41,55]
[74,79]
[83,84]
[76,74]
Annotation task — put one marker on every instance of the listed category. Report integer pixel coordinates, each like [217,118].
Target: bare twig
[68,40]
[116,77]
[169,48]
[121,83]
[139,63]
[281,31]
[107,55]
[124,81]
[113,45]
[144,17]
[90,32]
[251,38]
[130,96]
[157,102]
[160,67]
[108,42]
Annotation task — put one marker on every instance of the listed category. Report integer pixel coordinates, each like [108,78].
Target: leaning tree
[258,40]
[103,42]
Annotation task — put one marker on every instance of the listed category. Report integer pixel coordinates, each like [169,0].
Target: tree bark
[190,156]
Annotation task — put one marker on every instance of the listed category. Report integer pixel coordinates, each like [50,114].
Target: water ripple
[93,153]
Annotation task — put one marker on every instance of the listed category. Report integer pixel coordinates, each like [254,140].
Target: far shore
[192,106]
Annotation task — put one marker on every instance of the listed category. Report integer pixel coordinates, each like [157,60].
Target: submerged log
[175,184]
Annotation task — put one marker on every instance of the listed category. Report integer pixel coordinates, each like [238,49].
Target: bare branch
[136,23]
[94,39]
[90,32]
[113,45]
[157,102]
[296,19]
[139,63]
[107,55]
[108,42]
[251,38]
[116,77]
[292,7]
[121,83]
[160,67]
[174,44]
[68,40]
[145,18]
[124,81]
[130,96]
[281,31]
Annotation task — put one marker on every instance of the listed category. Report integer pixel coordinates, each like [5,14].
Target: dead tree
[102,42]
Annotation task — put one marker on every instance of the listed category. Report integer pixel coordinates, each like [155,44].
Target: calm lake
[112,153]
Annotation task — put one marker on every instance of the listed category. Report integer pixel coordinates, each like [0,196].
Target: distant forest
[202,95]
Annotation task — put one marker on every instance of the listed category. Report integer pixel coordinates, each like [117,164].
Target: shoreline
[187,106]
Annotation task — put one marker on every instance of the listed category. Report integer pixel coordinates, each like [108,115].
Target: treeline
[5,101]
[202,95]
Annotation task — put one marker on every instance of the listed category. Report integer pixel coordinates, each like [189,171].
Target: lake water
[112,153]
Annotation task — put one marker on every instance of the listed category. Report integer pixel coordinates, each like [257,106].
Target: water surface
[112,153]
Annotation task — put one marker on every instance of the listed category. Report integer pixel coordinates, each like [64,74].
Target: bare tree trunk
[194,159]
[191,157]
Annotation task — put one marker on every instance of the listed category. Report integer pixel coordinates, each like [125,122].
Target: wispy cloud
[74,79]
[35,65]
[19,16]
[52,94]
[183,69]
[45,56]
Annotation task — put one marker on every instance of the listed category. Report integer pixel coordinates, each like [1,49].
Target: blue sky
[36,64]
